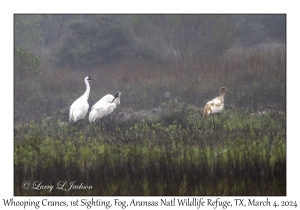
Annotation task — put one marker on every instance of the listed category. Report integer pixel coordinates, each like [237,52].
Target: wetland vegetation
[157,141]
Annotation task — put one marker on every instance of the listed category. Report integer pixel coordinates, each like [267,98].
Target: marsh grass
[255,79]
[174,151]
[158,158]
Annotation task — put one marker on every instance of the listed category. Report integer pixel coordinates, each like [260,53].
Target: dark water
[136,176]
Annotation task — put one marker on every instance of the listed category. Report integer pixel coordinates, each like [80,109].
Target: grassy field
[156,145]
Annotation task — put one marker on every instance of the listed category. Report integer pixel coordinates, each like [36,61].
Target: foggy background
[187,57]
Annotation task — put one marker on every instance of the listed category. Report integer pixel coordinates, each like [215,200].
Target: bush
[26,63]
[102,41]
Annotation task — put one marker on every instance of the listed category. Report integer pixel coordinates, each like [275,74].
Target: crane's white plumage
[216,105]
[104,106]
[80,107]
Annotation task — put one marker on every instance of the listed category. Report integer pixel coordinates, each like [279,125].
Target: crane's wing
[216,105]
[104,100]
[110,107]
[78,110]
[106,109]
[101,110]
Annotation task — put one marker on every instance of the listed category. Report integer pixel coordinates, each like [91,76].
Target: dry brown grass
[255,79]
[173,147]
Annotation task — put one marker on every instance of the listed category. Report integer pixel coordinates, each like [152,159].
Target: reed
[157,145]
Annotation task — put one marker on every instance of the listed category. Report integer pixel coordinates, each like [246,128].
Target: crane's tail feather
[206,111]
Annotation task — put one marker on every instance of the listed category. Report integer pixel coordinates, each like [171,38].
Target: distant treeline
[90,40]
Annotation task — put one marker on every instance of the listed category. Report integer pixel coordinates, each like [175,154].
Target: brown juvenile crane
[216,105]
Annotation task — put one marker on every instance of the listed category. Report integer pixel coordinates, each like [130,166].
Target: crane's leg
[77,121]
[219,119]
[74,126]
[214,123]
[90,126]
[93,128]
[106,123]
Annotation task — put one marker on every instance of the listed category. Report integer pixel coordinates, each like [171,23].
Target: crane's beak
[116,96]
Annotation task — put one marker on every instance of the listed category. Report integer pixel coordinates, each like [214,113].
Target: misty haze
[196,104]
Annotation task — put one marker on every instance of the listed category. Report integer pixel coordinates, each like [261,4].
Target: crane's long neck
[222,94]
[87,92]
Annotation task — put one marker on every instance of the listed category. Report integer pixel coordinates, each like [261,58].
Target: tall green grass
[255,79]
[174,151]
[158,158]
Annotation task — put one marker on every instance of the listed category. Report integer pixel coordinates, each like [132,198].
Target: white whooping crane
[104,106]
[216,105]
[80,107]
